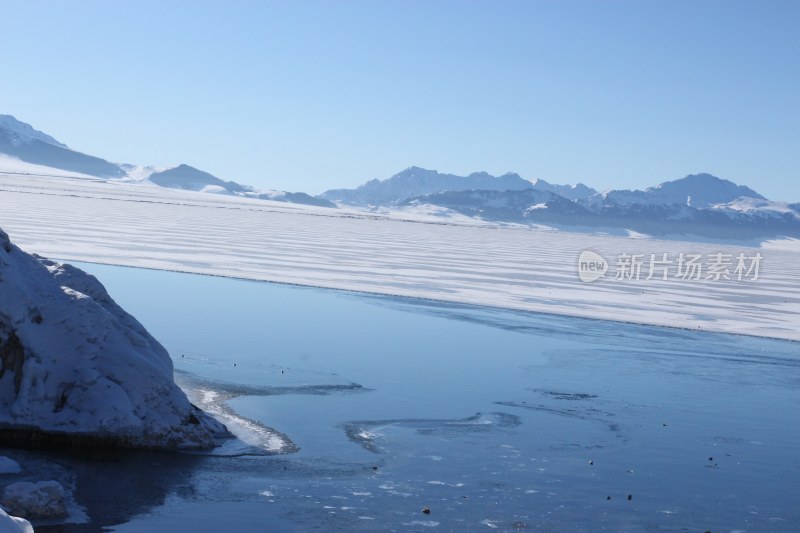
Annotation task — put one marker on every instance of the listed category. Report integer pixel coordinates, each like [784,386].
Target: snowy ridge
[13,165]
[22,141]
[415,181]
[699,191]
[25,150]
[77,369]
[759,206]
[21,133]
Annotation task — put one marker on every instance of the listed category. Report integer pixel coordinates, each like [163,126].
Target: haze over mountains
[698,204]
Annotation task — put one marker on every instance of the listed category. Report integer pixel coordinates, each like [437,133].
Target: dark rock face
[12,355]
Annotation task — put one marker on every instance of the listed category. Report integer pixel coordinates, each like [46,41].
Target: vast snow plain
[421,253]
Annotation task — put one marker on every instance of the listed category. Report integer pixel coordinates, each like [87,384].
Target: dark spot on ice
[608,497]
[374,467]
[426,510]
[591,463]
[630,497]
[710,458]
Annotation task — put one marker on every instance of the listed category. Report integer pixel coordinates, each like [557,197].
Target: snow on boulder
[77,370]
[9,466]
[12,524]
[44,499]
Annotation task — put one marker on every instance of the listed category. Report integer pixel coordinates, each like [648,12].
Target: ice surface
[394,252]
[647,406]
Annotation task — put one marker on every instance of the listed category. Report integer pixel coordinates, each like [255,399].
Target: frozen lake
[356,412]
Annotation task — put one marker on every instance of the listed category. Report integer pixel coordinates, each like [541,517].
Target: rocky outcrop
[77,370]
[43,499]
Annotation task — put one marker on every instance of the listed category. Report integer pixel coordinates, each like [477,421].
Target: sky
[307,96]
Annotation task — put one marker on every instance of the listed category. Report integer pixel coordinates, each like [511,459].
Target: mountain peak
[416,181]
[700,191]
[22,141]
[18,132]
[187,177]
[706,189]
[699,178]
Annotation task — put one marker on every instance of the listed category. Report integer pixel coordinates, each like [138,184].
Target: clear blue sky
[314,95]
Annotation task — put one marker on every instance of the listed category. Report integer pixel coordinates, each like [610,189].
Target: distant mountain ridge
[189,178]
[30,145]
[695,190]
[21,140]
[700,204]
[415,181]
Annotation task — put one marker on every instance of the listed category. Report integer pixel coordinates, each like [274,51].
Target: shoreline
[420,299]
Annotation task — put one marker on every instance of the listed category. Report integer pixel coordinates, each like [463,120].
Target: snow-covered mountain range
[21,141]
[700,191]
[415,181]
[698,204]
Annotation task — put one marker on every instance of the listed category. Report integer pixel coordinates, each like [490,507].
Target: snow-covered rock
[9,466]
[43,499]
[77,370]
[12,524]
